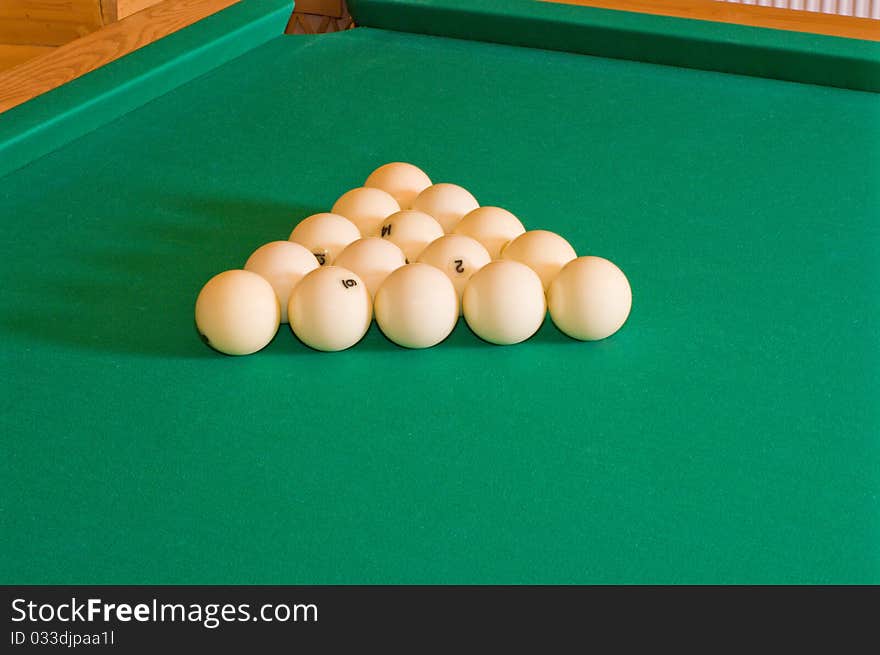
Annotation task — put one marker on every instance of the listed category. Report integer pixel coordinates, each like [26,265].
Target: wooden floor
[32,28]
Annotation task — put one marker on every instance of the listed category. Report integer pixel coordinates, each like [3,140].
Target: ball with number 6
[330,309]
[458,256]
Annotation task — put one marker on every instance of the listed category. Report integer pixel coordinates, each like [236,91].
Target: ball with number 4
[458,256]
[330,309]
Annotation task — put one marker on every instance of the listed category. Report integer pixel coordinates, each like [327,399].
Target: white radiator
[860,8]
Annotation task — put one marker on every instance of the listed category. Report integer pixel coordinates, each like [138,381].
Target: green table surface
[729,433]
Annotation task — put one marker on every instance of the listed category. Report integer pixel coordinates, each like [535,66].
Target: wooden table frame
[70,61]
[75,59]
[726,12]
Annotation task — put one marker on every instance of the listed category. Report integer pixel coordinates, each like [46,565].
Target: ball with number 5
[325,235]
[458,256]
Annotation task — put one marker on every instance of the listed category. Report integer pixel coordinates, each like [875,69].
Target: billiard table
[728,433]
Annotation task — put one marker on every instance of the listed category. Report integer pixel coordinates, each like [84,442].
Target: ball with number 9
[330,309]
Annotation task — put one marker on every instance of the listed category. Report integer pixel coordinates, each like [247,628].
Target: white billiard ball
[411,231]
[330,309]
[325,235]
[458,256]
[366,207]
[416,306]
[504,302]
[447,203]
[542,251]
[282,264]
[403,181]
[492,226]
[237,312]
[372,259]
[589,299]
